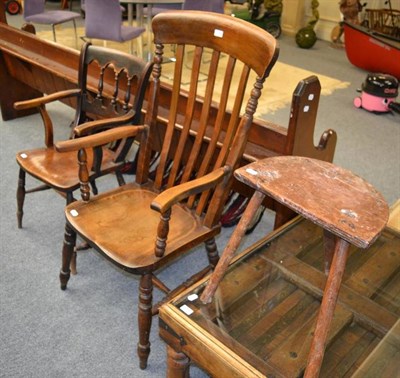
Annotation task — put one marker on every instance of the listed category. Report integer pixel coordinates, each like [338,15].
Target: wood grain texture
[332,197]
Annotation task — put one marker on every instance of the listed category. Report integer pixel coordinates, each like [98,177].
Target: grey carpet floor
[90,329]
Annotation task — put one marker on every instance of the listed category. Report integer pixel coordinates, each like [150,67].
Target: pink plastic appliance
[378,94]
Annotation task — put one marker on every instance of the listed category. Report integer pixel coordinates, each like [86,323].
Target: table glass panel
[265,307]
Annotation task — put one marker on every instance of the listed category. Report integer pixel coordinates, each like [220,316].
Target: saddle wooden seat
[348,208]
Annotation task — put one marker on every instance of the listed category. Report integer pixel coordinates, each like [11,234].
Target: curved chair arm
[98,139]
[40,103]
[101,124]
[94,141]
[164,201]
[35,102]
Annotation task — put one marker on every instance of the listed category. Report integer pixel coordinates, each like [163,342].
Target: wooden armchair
[144,225]
[57,171]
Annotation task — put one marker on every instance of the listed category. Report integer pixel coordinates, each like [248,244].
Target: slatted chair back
[241,59]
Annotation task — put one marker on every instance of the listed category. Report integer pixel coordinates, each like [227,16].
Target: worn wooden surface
[334,198]
[343,204]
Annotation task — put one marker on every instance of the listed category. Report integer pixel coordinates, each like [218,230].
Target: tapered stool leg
[232,246]
[327,309]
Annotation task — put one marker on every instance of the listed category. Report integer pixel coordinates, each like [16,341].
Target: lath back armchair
[177,196]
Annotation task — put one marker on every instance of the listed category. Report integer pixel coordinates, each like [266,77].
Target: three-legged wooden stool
[348,208]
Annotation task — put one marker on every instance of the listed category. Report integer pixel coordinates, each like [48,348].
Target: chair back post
[146,142]
[82,78]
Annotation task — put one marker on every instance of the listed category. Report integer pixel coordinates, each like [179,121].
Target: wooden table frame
[188,342]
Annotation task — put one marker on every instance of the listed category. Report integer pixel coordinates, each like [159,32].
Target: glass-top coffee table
[260,321]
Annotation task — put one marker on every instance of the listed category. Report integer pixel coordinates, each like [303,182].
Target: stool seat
[330,196]
[349,209]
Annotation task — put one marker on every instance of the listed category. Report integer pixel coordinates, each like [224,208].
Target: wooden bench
[32,66]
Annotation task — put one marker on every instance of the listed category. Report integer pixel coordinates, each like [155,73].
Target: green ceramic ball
[306,38]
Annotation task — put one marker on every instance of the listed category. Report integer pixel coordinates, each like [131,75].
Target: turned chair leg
[145,318]
[20,197]
[177,364]
[67,253]
[70,199]
[327,309]
[73,262]
[94,187]
[120,178]
[79,247]
[212,252]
